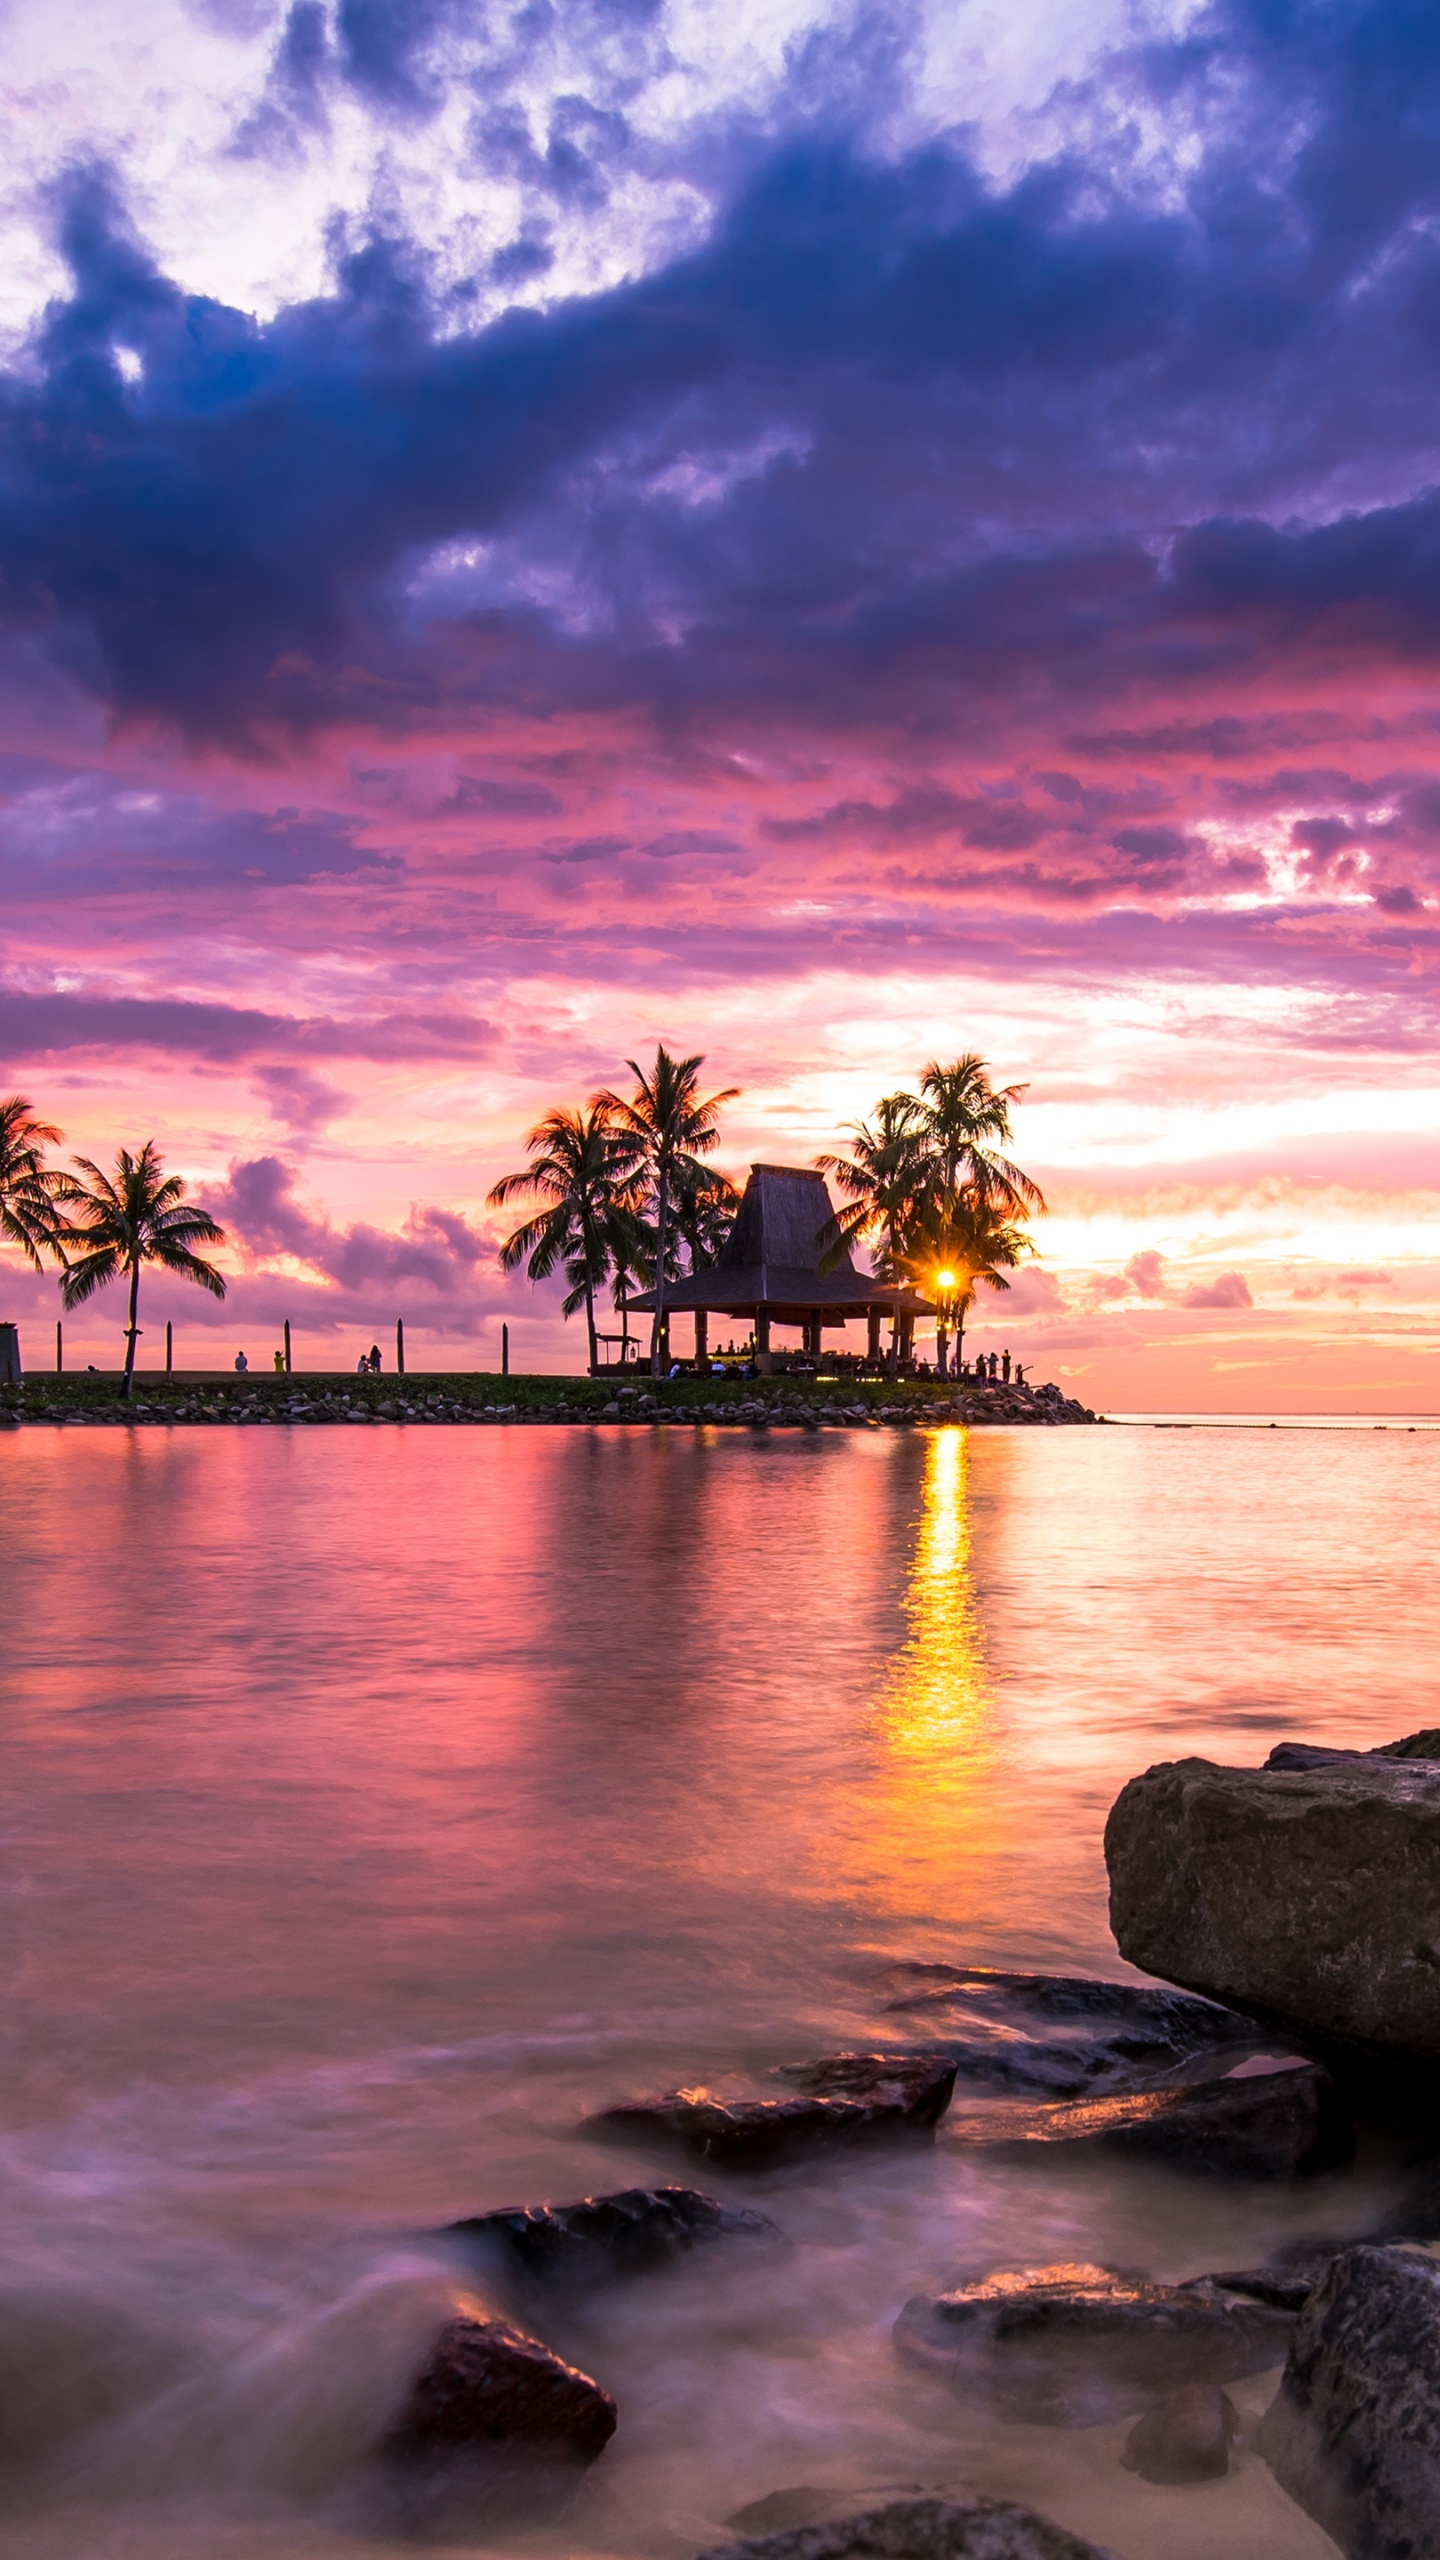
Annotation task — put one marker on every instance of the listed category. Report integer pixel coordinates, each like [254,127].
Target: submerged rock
[487,2393]
[1279,2125]
[1353,2433]
[1077,2345]
[921,2529]
[1107,2034]
[848,2099]
[1186,2436]
[1307,1898]
[604,2238]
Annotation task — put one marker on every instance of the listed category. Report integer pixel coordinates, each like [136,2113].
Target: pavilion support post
[907,1338]
[762,1341]
[702,1342]
[872,1335]
[894,1354]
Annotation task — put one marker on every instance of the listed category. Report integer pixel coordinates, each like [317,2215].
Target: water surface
[378,1802]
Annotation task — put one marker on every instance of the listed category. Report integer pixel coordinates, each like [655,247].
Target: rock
[1353,2433]
[1424,1745]
[921,2529]
[1286,2124]
[1286,2284]
[605,2237]
[1307,1898]
[1078,2345]
[848,2099]
[1186,2436]
[1110,2034]
[811,2505]
[488,2390]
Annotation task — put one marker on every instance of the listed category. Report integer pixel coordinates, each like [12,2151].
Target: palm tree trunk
[590,1327]
[662,1242]
[941,1340]
[131,1335]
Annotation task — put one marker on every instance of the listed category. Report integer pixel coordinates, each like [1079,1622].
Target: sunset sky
[825,535]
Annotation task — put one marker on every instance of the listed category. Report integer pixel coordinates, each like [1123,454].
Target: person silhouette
[1005,1367]
[241,1364]
[279,1364]
[374,1360]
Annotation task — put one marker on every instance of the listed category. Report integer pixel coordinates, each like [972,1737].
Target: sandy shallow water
[377,1805]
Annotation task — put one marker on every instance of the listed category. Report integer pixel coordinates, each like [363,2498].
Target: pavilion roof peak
[784,1220]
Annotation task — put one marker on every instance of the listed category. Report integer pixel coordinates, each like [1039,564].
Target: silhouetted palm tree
[965,1119]
[882,1177]
[705,1206]
[581,1175]
[952,1254]
[32,1193]
[118,1223]
[665,1128]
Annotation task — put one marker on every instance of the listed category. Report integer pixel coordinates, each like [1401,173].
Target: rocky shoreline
[1266,2077]
[484,1401]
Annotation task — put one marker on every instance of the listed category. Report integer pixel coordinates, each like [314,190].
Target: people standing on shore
[241,1364]
[374,1360]
[1005,1367]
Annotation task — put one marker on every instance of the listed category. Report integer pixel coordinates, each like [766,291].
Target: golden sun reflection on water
[929,1821]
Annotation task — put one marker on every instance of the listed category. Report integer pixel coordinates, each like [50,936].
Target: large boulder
[1307,1898]
[1276,2126]
[604,2237]
[1098,2035]
[1079,2345]
[1354,2431]
[491,2400]
[847,2099]
[921,2529]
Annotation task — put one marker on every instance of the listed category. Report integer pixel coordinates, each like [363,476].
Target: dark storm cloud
[49,1025]
[989,401]
[89,837]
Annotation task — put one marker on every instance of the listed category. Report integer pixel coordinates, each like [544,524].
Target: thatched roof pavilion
[769,1269]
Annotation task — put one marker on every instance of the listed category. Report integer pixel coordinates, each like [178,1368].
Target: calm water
[376,1803]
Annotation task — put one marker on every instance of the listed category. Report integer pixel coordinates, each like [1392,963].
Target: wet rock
[1077,2345]
[1287,2283]
[846,2100]
[1319,1755]
[487,2391]
[1105,2035]
[921,2529]
[1186,2436]
[1308,1898]
[1353,2433]
[1282,2125]
[604,2238]
[784,2508]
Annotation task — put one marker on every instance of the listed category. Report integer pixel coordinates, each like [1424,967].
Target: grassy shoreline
[477,1397]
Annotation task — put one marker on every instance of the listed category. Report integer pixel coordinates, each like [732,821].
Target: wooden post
[872,1334]
[59,1348]
[702,1346]
[400,1346]
[504,1351]
[169,1347]
[287,1346]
